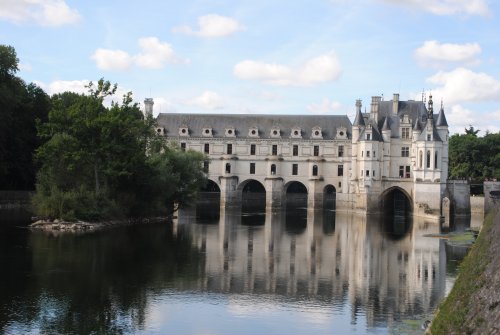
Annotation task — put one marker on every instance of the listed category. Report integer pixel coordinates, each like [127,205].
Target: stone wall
[491,195]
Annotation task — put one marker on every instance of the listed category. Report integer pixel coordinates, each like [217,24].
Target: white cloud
[320,69]
[25,67]
[42,12]
[434,54]
[78,86]
[459,118]
[446,7]
[155,55]
[211,26]
[207,100]
[464,85]
[107,59]
[324,107]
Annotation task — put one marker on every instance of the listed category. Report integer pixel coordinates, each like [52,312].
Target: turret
[416,131]
[148,107]
[386,130]
[359,122]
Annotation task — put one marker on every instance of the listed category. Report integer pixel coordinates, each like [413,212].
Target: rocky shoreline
[62,226]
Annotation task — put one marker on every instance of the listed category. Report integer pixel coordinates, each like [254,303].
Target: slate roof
[415,110]
[242,123]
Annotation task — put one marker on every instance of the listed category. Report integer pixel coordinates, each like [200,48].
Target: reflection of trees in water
[98,283]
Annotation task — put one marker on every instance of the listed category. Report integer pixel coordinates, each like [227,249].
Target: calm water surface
[295,272]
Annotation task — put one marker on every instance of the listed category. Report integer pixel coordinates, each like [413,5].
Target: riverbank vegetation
[103,162]
[474,158]
[463,311]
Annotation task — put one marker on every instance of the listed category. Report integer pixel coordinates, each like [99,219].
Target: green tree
[474,158]
[22,106]
[100,162]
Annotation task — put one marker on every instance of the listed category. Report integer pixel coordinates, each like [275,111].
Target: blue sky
[267,57]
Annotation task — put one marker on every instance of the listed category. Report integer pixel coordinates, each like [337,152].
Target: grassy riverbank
[473,305]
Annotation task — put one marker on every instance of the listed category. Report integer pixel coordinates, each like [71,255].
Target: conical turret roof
[441,121]
[359,120]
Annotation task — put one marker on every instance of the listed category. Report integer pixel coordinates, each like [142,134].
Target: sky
[267,57]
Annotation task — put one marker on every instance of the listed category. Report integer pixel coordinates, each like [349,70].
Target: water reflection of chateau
[330,260]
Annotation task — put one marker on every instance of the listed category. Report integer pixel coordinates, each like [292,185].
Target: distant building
[398,149]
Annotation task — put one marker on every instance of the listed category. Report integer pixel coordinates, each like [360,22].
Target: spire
[386,124]
[441,121]
[359,120]
[416,127]
[430,109]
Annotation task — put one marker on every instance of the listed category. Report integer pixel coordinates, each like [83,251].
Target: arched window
[315,170]
[228,168]
[428,159]
[420,159]
[273,169]
[436,159]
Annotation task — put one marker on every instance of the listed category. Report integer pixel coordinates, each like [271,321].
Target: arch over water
[253,197]
[396,207]
[208,203]
[329,197]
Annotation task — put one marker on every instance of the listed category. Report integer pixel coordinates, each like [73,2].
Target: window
[183,146]
[368,173]
[341,151]
[374,155]
[362,152]
[340,170]
[295,169]
[252,149]
[205,166]
[273,169]
[207,148]
[316,150]
[368,153]
[436,160]
[295,150]
[340,184]
[373,173]
[368,137]
[229,149]
[252,168]
[428,137]
[428,159]
[228,168]
[404,171]
[275,149]
[405,152]
[405,133]
[420,159]
[315,170]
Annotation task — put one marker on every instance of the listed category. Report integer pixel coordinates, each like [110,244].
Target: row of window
[428,159]
[295,169]
[296,132]
[274,149]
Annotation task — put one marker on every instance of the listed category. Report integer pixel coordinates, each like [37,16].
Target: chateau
[399,148]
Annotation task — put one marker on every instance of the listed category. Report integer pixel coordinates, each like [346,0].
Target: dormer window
[316,132]
[183,131]
[296,132]
[230,132]
[253,132]
[368,136]
[275,132]
[207,132]
[160,131]
[341,133]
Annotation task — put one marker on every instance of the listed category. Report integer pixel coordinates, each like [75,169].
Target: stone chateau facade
[399,146]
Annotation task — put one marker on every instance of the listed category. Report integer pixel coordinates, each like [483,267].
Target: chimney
[358,105]
[374,108]
[148,107]
[395,104]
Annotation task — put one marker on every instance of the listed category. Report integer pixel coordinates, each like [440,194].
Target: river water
[288,272]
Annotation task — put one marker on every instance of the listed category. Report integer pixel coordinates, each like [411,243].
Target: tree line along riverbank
[473,305]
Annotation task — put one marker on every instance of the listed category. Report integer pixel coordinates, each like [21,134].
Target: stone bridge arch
[394,200]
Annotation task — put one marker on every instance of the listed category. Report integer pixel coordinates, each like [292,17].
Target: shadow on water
[208,207]
[295,215]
